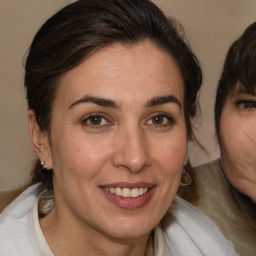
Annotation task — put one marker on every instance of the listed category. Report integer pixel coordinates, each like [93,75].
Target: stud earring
[43,166]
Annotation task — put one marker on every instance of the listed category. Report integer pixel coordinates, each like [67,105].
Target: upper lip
[128,185]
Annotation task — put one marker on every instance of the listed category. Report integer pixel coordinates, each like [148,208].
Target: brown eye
[95,120]
[158,119]
[161,120]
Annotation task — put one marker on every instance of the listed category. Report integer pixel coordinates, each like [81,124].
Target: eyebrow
[156,101]
[163,100]
[96,100]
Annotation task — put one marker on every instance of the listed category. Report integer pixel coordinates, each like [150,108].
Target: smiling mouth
[129,196]
[127,192]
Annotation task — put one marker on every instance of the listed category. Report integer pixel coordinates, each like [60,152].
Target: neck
[67,237]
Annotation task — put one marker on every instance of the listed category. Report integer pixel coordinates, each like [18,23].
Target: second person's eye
[246,104]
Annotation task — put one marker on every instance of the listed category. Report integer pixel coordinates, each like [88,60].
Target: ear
[40,140]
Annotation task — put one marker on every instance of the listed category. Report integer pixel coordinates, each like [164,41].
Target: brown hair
[85,26]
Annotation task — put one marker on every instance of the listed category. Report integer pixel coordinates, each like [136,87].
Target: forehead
[140,70]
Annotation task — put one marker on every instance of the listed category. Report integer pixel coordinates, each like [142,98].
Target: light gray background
[210,26]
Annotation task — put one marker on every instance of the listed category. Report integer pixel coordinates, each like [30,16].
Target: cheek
[238,148]
[170,155]
[237,138]
[229,136]
[78,156]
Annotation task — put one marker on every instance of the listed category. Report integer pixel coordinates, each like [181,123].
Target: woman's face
[118,140]
[238,140]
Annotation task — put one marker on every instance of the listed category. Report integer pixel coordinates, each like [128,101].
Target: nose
[132,152]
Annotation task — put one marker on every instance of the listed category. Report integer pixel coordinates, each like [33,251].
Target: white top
[189,233]
[42,243]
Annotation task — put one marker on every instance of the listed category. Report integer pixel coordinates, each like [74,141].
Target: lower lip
[129,203]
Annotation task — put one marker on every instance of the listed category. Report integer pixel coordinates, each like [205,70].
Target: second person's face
[238,140]
[118,140]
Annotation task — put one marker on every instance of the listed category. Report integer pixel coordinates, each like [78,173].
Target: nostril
[135,164]
[132,152]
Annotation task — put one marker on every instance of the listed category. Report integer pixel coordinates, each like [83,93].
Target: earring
[43,166]
[186,178]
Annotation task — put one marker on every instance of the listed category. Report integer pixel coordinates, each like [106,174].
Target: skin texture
[135,138]
[238,140]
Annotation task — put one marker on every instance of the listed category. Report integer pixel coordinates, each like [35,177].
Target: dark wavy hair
[85,26]
[239,67]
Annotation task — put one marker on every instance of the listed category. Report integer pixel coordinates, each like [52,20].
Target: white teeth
[126,192]
[141,191]
[118,192]
[135,192]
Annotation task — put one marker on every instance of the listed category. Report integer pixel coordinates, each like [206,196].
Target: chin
[126,228]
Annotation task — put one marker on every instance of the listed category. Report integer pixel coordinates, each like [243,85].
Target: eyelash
[252,104]
[167,120]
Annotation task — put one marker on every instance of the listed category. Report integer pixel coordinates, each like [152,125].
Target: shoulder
[6,197]
[16,225]
[211,168]
[22,204]
[191,232]
[215,197]
[219,201]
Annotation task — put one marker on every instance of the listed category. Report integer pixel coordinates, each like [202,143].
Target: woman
[111,88]
[227,187]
